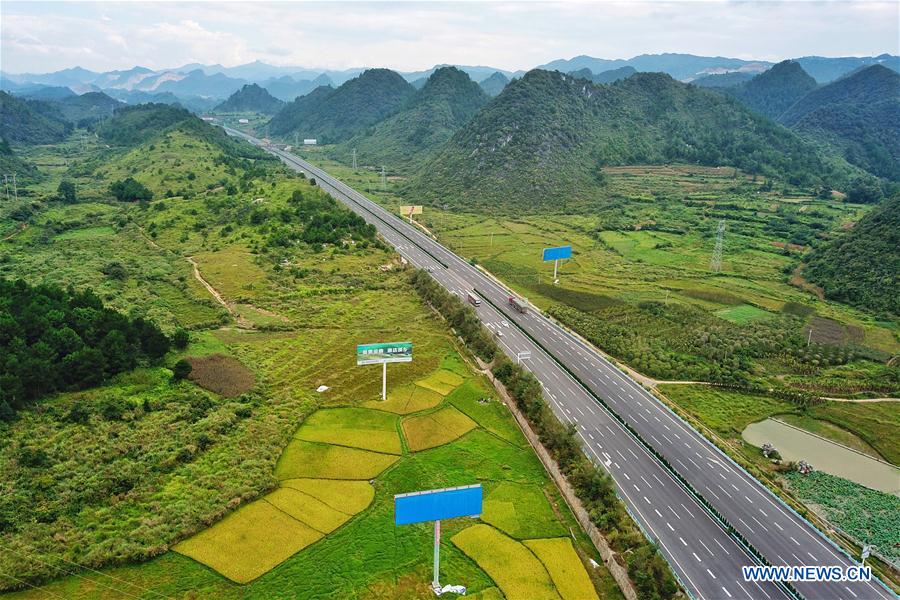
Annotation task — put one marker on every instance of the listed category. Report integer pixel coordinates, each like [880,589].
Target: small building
[309,142]
[243,121]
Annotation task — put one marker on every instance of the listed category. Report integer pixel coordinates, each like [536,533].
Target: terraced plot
[521,511]
[356,427]
[436,429]
[407,399]
[565,568]
[517,572]
[311,460]
[249,542]
[443,381]
[345,496]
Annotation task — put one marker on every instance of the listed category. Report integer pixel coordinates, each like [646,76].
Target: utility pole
[716,263]
[492,239]
[15,189]
[6,184]
[354,159]
[383,179]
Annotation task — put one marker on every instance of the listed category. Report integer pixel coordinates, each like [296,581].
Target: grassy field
[161,464]
[642,264]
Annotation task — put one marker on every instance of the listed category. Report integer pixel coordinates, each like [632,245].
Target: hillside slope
[494,84]
[30,121]
[87,108]
[858,116]
[251,98]
[544,140]
[445,103]
[346,111]
[862,266]
[776,90]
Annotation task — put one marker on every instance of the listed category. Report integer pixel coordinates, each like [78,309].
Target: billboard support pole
[436,584]
[384,381]
[555,267]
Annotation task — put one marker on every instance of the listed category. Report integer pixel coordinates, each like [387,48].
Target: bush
[180,339]
[181,370]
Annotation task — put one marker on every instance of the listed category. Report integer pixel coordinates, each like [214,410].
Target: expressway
[574,375]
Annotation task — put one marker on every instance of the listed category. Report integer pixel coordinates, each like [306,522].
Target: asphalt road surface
[705,557]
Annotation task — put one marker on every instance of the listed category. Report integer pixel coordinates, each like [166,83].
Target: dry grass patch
[512,566]
[308,460]
[221,374]
[436,429]
[357,427]
[407,399]
[441,381]
[348,497]
[307,509]
[565,568]
[249,542]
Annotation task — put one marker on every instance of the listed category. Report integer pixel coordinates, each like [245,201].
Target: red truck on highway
[518,304]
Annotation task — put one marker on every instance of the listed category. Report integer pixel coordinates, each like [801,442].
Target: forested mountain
[135,125]
[287,88]
[198,83]
[10,163]
[87,108]
[773,92]
[346,111]
[723,80]
[445,103]
[294,112]
[614,75]
[30,121]
[544,140]
[862,266]
[606,76]
[858,116]
[45,92]
[494,84]
[251,98]
[826,69]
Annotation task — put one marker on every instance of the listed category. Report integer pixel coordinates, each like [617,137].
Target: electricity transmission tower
[383,179]
[716,262]
[354,159]
[6,179]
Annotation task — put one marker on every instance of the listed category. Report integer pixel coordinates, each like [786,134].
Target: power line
[716,263]
[86,568]
[31,585]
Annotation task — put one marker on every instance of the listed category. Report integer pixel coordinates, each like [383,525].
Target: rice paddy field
[250,483]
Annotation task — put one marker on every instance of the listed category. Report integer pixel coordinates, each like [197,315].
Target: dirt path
[16,232]
[241,321]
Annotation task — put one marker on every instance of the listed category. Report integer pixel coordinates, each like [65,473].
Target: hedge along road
[574,375]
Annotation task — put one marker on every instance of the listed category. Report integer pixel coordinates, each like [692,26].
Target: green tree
[181,370]
[66,191]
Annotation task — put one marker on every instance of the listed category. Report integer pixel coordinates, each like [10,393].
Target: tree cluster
[53,339]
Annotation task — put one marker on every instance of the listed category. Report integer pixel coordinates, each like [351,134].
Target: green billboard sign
[391,352]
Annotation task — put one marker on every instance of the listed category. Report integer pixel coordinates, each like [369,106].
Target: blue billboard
[435,505]
[557,253]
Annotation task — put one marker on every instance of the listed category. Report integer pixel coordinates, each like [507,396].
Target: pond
[796,444]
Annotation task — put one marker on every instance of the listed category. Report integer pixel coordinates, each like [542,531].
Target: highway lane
[685,531]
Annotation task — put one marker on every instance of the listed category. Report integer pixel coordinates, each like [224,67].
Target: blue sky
[47,36]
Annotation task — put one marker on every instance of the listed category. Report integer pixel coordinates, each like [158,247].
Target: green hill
[858,116]
[544,140]
[346,111]
[862,266]
[445,103]
[774,91]
[10,163]
[31,121]
[251,98]
[494,84]
[87,108]
[614,75]
[723,80]
[134,125]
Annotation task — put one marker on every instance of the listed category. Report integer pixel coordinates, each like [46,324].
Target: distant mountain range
[286,83]
[251,98]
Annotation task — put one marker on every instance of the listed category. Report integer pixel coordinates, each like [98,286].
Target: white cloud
[416,35]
